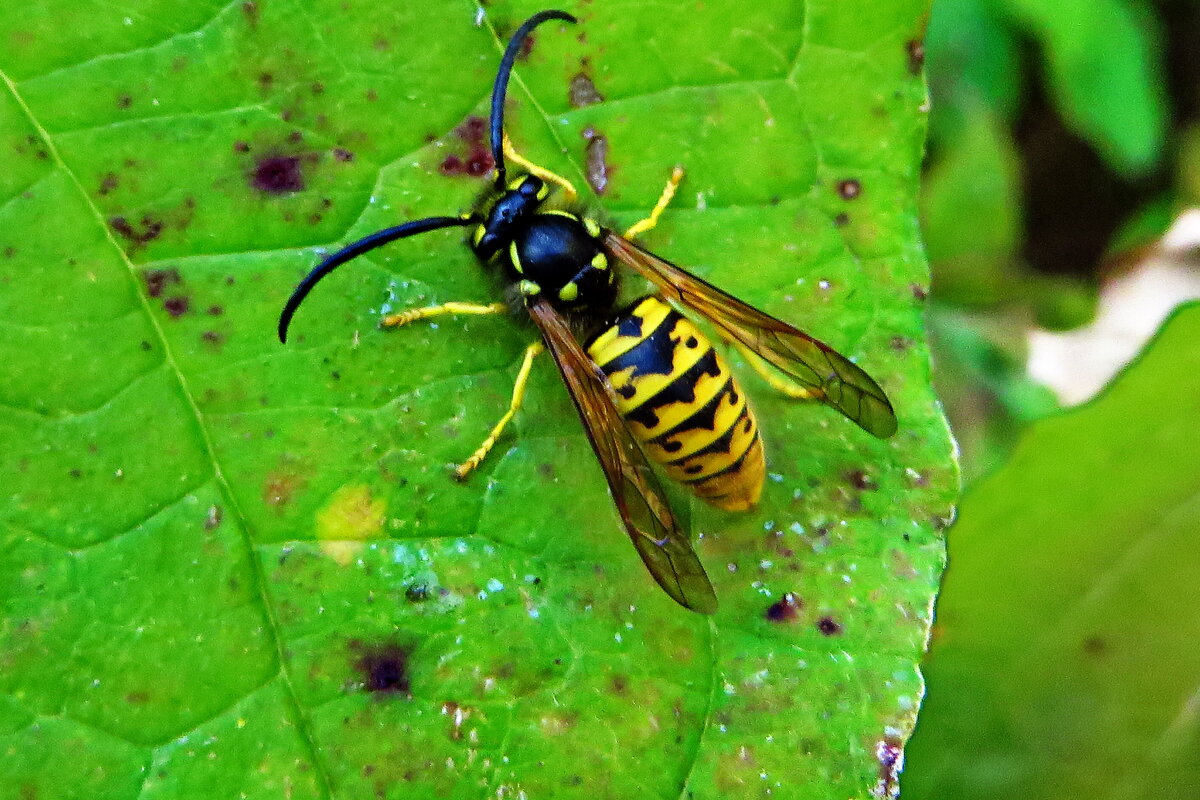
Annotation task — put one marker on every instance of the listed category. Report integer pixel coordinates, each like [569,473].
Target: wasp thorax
[509,214]
[558,253]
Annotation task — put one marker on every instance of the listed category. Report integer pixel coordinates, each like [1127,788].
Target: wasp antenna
[353,251]
[502,76]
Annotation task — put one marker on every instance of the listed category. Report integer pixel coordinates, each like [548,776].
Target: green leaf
[970,207]
[1104,73]
[974,65]
[1065,662]
[237,569]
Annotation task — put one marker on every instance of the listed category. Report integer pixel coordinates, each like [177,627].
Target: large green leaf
[233,568]
[1065,663]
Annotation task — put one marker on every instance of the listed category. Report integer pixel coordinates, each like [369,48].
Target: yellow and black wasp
[647,381]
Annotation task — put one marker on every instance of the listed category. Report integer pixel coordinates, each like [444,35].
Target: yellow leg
[414,314]
[781,385]
[512,155]
[464,469]
[663,201]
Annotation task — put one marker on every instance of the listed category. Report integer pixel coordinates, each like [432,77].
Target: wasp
[647,383]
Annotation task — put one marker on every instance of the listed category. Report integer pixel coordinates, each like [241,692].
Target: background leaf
[236,568]
[1065,661]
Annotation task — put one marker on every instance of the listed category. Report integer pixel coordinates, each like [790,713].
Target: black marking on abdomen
[680,390]
[723,443]
[729,470]
[653,355]
[705,417]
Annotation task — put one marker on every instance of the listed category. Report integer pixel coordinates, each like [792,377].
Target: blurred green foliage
[1100,67]
[1064,662]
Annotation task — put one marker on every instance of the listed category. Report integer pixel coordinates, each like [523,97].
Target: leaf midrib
[302,723]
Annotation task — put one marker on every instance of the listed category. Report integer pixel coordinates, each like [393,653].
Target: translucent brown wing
[664,548]
[810,362]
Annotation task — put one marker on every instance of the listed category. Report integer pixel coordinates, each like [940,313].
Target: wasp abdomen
[681,401]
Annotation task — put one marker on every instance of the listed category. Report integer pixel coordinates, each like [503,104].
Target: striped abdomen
[682,403]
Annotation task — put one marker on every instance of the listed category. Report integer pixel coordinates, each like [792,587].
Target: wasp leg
[512,155]
[414,314]
[464,469]
[663,201]
[777,383]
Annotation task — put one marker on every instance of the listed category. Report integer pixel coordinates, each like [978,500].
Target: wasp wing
[639,498]
[809,362]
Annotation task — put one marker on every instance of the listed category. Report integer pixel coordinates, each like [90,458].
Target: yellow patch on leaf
[352,516]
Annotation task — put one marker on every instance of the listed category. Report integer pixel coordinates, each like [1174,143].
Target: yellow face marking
[515,257]
[543,192]
[558,212]
[569,293]
[593,228]
[479,232]
[600,261]
[515,183]
[529,288]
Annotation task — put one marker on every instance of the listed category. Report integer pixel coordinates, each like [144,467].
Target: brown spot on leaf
[158,279]
[277,175]
[213,518]
[597,160]
[278,489]
[477,161]
[250,12]
[785,609]
[212,337]
[862,481]
[583,92]
[150,230]
[919,292]
[849,189]
[842,220]
[124,101]
[342,154]
[916,55]
[889,752]
[241,147]
[383,667]
[109,182]
[177,306]
[829,626]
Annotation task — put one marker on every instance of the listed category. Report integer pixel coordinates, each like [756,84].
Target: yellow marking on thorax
[515,257]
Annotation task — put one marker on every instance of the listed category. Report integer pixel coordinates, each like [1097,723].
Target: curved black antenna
[352,251]
[502,75]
